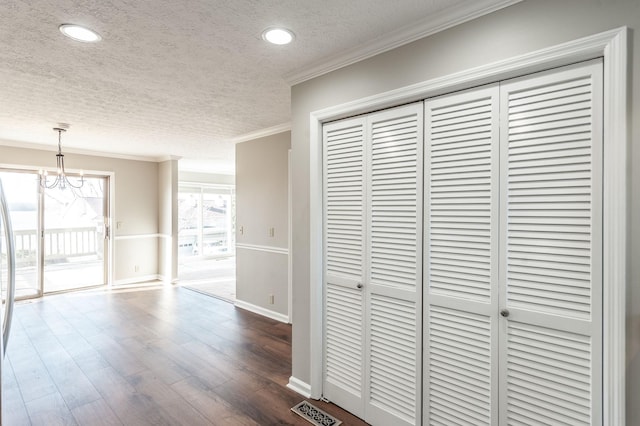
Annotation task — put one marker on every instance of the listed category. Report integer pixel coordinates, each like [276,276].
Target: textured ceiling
[181,78]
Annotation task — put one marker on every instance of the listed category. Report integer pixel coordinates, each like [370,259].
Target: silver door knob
[504,313]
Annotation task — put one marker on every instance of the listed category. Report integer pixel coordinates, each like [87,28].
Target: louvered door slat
[551,153]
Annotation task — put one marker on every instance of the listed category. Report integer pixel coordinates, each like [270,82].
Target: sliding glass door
[22,193]
[59,234]
[206,215]
[74,236]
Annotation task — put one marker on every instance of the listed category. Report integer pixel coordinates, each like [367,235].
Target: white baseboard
[262,311]
[299,386]
[136,280]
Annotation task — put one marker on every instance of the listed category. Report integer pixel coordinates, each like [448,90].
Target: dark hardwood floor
[163,356]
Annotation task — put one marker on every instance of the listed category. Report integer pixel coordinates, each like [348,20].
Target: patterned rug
[314,415]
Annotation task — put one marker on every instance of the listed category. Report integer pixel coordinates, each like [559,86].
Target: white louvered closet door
[461,254]
[344,310]
[394,266]
[373,265]
[551,253]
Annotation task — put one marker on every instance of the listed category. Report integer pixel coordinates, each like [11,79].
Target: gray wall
[261,204]
[135,207]
[525,27]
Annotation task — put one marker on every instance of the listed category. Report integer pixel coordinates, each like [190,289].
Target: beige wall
[168,220]
[261,204]
[135,204]
[525,27]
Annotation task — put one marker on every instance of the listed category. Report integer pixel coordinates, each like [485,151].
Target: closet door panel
[551,275]
[344,334]
[394,255]
[461,300]
[392,357]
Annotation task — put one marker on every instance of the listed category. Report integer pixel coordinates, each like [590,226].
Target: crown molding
[433,24]
[168,158]
[274,130]
[80,151]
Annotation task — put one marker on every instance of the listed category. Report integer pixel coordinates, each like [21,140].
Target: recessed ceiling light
[79,33]
[277,35]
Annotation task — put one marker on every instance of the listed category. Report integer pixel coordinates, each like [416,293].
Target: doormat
[314,415]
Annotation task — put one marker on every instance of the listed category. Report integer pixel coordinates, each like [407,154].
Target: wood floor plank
[14,410]
[50,410]
[90,359]
[73,385]
[157,361]
[123,399]
[70,381]
[252,379]
[173,407]
[119,357]
[34,381]
[210,404]
[96,413]
[208,369]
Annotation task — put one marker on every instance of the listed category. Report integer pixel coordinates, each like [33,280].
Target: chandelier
[61,181]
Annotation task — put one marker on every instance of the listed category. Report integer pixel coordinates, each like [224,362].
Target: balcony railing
[59,244]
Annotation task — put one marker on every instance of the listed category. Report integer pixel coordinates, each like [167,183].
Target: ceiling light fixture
[277,35]
[79,33]
[61,179]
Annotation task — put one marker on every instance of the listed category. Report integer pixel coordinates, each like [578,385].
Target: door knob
[504,313]
[359,285]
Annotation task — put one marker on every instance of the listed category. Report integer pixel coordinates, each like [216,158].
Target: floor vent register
[314,415]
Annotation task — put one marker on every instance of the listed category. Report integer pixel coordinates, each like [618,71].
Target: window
[206,216]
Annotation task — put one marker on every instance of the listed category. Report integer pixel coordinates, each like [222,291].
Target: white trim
[269,131]
[261,311]
[202,185]
[299,386]
[289,240]
[111,212]
[163,158]
[432,24]
[615,225]
[139,236]
[269,249]
[612,45]
[141,279]
[316,255]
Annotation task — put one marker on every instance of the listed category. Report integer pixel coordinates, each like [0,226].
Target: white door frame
[612,46]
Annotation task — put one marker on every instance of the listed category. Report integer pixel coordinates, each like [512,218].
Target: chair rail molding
[269,249]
